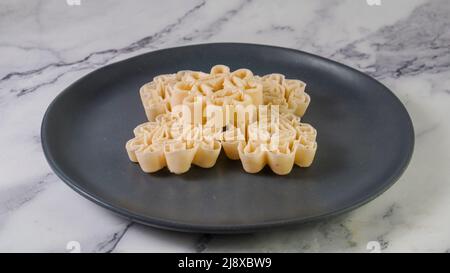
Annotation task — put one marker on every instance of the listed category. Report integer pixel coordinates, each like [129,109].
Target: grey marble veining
[46,45]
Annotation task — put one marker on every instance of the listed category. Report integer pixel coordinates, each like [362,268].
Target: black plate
[365,139]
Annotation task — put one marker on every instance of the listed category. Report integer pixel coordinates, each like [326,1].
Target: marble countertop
[46,45]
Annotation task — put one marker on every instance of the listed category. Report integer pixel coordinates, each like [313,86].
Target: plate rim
[222,228]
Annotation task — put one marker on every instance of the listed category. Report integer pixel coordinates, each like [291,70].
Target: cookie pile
[192,115]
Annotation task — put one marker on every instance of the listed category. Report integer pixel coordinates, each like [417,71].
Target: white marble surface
[46,45]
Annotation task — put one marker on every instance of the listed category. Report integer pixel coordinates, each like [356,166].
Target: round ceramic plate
[365,141]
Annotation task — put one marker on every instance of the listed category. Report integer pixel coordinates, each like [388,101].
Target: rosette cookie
[168,142]
[279,144]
